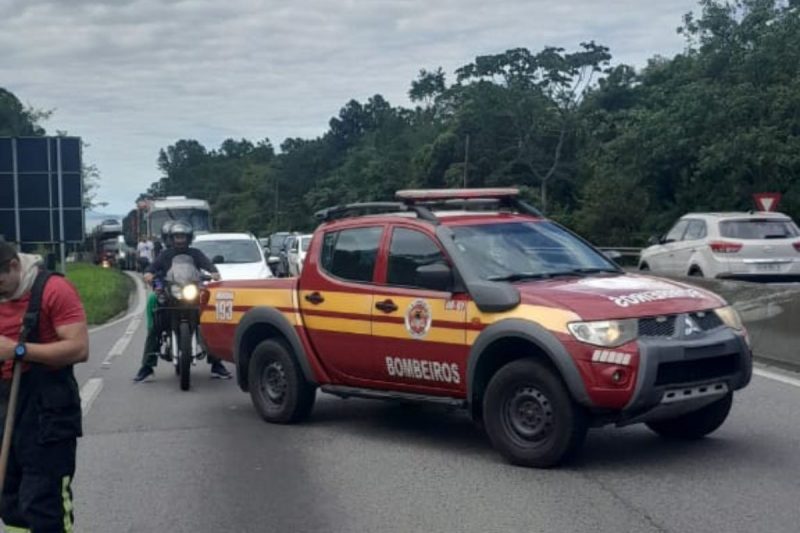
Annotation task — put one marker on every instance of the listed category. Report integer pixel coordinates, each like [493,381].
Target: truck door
[336,295]
[419,333]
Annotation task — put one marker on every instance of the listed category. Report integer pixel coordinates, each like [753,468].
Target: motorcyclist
[179,238]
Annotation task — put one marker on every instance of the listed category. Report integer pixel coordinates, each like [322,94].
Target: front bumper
[680,376]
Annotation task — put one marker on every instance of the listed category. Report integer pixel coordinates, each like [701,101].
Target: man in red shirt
[37,494]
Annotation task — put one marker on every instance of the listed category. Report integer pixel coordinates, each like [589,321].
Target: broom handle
[9,427]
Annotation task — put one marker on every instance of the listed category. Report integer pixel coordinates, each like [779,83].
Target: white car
[236,255]
[749,246]
[297,254]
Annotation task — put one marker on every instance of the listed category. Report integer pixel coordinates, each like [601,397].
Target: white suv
[750,246]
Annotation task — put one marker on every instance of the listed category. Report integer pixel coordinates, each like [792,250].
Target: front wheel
[697,424]
[530,417]
[185,361]
[279,391]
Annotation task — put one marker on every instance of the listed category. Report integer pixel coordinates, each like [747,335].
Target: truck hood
[242,271]
[618,296]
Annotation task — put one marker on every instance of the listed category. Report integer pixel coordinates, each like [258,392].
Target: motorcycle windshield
[183,271]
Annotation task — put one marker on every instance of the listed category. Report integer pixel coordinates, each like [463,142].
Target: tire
[551,428]
[185,362]
[278,389]
[694,425]
[644,267]
[695,272]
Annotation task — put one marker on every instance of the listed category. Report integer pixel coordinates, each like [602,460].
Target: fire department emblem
[418,319]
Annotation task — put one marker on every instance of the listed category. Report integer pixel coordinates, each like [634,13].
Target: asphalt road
[155,459]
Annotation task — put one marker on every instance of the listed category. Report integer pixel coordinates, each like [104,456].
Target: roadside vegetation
[104,291]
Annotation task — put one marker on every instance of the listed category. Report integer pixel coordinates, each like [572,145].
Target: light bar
[426,195]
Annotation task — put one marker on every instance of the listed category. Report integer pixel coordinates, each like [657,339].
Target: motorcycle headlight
[190,292]
[176,291]
[606,333]
[730,317]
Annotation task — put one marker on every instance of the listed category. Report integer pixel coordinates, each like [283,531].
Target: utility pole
[276,203]
[466,159]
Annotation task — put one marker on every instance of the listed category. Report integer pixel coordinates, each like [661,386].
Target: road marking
[122,343]
[89,392]
[777,377]
[141,301]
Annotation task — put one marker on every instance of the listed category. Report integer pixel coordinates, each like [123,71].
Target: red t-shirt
[61,306]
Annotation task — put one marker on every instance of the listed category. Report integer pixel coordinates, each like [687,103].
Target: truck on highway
[471,298]
[151,213]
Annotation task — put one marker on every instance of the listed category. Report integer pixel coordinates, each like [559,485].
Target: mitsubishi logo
[690,327]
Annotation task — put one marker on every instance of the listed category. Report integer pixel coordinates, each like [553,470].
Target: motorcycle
[177,317]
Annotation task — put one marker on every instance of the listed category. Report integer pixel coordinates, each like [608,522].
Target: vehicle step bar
[355,392]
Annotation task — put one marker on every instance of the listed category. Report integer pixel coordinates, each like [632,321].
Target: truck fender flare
[539,337]
[267,316]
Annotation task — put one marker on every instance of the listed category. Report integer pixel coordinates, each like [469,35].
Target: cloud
[133,76]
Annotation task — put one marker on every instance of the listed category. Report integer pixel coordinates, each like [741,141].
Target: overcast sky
[133,76]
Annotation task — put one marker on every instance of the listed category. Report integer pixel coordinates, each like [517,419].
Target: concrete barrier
[771,314]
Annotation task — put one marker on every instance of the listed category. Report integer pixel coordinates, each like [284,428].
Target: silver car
[756,246]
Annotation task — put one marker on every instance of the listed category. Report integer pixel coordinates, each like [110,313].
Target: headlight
[190,292]
[176,291]
[730,317]
[606,333]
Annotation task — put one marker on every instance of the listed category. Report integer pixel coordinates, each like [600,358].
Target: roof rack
[422,202]
[373,208]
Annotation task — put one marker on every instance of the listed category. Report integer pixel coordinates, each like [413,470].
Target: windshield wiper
[595,270]
[519,276]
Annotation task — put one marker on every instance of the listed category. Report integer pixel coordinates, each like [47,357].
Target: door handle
[315,298]
[387,306]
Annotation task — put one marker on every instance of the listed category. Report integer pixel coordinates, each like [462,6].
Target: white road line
[89,392]
[777,377]
[141,301]
[122,343]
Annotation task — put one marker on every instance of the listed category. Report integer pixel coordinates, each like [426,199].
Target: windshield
[519,250]
[304,243]
[276,241]
[198,218]
[183,271]
[232,251]
[758,229]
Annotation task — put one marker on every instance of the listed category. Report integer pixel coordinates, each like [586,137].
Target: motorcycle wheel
[185,349]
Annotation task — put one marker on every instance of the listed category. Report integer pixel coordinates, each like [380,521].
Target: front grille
[657,327]
[707,320]
[696,370]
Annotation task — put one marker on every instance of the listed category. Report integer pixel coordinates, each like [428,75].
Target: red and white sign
[767,201]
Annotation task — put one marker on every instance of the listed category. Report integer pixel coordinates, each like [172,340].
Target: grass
[104,291]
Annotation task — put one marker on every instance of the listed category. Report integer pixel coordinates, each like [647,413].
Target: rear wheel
[696,272]
[278,388]
[644,267]
[697,424]
[530,417]
[185,362]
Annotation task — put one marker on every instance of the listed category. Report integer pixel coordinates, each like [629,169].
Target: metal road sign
[767,201]
[41,189]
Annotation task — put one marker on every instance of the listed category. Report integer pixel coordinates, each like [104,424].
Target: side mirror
[436,277]
[655,239]
[218,260]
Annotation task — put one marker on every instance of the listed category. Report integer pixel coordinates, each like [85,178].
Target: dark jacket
[163,262]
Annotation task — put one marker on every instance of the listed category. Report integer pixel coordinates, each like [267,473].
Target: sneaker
[144,373]
[219,371]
